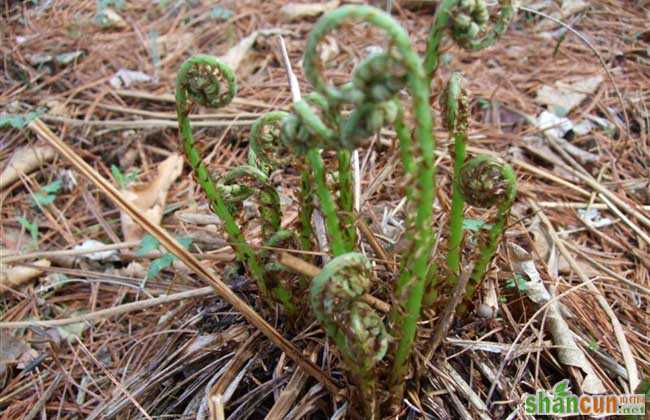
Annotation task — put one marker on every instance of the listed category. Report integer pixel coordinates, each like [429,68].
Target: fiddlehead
[466,21]
[265,150]
[375,104]
[357,330]
[268,153]
[237,185]
[309,126]
[251,180]
[201,80]
[485,183]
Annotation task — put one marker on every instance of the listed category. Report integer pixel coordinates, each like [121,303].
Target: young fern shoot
[246,181]
[201,80]
[341,119]
[304,132]
[466,21]
[269,154]
[485,182]
[455,110]
[358,331]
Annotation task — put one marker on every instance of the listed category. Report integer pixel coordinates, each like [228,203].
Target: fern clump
[341,119]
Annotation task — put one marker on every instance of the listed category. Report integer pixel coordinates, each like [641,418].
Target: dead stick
[372,240]
[448,314]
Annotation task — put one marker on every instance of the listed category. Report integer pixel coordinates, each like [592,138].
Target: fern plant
[341,119]
[201,80]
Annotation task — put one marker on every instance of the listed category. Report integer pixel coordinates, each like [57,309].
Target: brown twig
[447,315]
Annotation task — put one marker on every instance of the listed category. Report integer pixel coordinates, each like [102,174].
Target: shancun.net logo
[562,402]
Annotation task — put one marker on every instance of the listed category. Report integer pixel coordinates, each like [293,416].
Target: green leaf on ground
[475,225]
[147,245]
[32,227]
[160,264]
[517,282]
[19,120]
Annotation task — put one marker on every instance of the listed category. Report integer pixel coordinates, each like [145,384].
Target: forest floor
[101,74]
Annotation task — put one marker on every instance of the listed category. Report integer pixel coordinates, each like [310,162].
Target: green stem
[338,245]
[306,209]
[457,121]
[282,238]
[345,198]
[440,24]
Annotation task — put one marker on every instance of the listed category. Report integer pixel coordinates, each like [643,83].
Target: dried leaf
[243,53]
[13,277]
[297,11]
[234,57]
[523,263]
[109,18]
[91,244]
[551,123]
[329,49]
[125,78]
[547,250]
[556,127]
[564,96]
[150,199]
[25,160]
[193,217]
[13,350]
